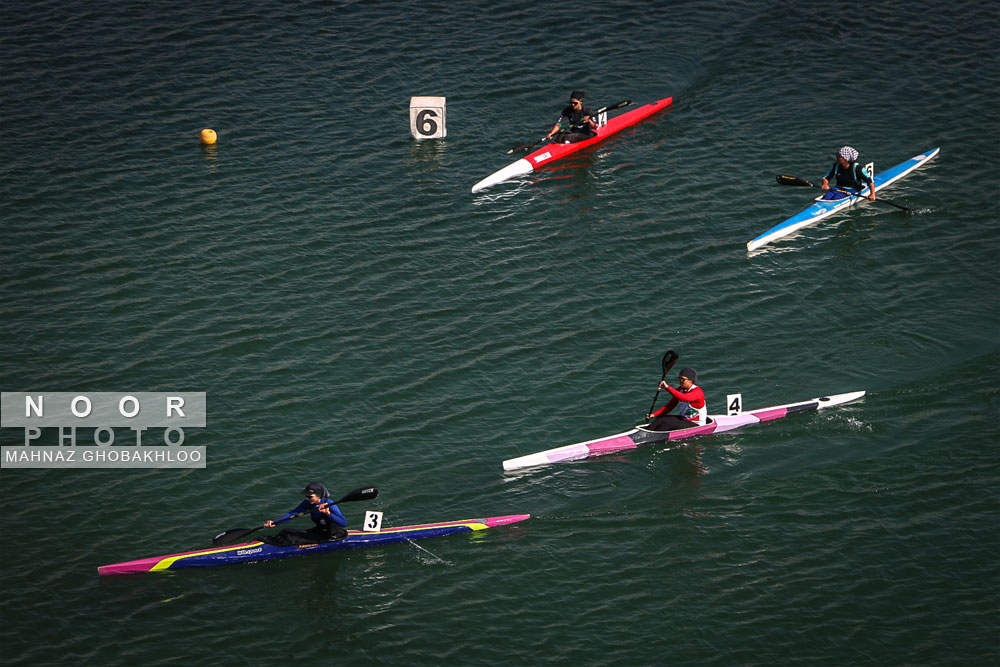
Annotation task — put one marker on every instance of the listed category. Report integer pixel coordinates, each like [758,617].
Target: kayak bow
[825,208]
[256,551]
[552,152]
[639,436]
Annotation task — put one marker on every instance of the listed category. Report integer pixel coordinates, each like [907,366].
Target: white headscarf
[848,154]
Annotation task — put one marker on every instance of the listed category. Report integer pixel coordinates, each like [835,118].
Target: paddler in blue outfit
[849,173]
[576,122]
[330,522]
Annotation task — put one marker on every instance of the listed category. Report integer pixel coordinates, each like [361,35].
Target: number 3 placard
[427,117]
[373,522]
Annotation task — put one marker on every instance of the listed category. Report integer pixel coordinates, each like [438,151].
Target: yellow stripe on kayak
[472,525]
[167,562]
[170,560]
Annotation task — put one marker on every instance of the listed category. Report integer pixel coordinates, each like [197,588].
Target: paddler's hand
[649,416]
[825,185]
[663,385]
[269,524]
[871,197]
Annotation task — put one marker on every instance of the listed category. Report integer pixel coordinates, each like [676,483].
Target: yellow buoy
[208,136]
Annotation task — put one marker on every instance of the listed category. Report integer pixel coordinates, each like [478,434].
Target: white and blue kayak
[825,208]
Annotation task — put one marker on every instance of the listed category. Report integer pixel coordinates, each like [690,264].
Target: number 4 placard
[734,404]
[373,522]
[427,118]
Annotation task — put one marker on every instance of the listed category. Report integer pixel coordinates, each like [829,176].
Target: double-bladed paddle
[669,359]
[527,147]
[785,179]
[235,534]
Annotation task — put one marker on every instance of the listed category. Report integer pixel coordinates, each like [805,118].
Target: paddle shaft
[784,179]
[612,107]
[365,493]
[669,359]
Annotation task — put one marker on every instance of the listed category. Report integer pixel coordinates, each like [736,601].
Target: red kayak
[552,152]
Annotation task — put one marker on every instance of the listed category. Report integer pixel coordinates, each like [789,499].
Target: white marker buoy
[427,117]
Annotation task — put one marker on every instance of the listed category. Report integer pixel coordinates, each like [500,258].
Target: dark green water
[357,316]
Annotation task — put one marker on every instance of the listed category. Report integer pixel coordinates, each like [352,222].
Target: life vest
[854,177]
[574,121]
[691,413]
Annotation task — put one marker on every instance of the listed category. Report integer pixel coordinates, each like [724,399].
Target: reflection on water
[210,155]
[428,152]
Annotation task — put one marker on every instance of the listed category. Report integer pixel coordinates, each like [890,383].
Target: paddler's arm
[335,514]
[298,509]
[288,515]
[665,409]
[867,178]
[555,128]
[829,174]
[696,394]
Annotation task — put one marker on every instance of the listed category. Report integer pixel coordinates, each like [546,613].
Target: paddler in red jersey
[576,122]
[688,398]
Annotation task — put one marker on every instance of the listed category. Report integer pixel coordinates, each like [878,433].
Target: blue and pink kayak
[256,551]
[824,208]
[639,436]
[552,152]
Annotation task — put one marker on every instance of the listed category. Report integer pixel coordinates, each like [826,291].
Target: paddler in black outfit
[849,173]
[576,122]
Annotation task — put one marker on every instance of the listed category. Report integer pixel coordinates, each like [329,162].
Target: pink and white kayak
[639,436]
[552,152]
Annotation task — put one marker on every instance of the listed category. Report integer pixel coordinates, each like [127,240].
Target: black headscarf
[317,488]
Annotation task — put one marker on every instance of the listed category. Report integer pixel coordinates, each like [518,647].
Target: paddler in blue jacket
[849,173]
[330,522]
[576,122]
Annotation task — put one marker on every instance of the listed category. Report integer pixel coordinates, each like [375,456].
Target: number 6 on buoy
[427,118]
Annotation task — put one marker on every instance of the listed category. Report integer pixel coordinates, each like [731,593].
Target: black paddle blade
[618,105]
[232,536]
[785,179]
[364,493]
[892,203]
[669,359]
[524,147]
